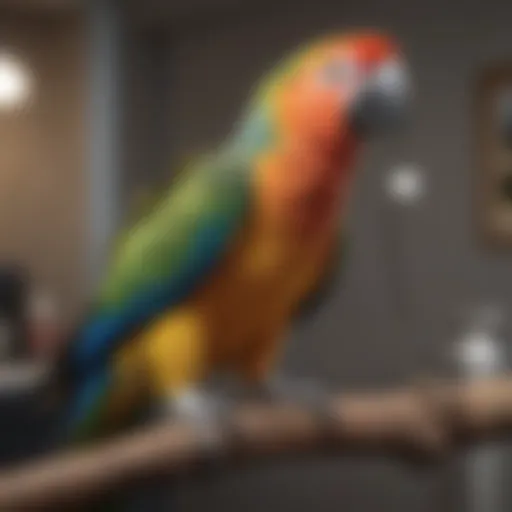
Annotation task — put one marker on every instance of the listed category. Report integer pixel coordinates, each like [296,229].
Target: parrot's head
[355,85]
[318,106]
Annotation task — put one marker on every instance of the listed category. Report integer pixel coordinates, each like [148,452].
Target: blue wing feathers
[97,338]
[199,239]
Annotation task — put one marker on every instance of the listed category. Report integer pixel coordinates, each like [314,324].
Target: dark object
[13,301]
[505,119]
[26,429]
[506,185]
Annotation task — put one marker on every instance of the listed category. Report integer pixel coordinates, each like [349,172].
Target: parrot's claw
[205,413]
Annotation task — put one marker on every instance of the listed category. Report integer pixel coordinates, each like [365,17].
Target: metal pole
[103,132]
[481,354]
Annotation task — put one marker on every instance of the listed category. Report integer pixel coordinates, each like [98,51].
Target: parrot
[212,278]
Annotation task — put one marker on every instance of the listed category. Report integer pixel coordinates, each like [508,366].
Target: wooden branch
[430,419]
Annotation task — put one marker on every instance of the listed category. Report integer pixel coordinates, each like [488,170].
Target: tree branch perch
[430,419]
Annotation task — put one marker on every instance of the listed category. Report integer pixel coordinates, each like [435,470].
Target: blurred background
[100,100]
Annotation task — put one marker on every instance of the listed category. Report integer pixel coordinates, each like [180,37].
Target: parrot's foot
[303,393]
[206,414]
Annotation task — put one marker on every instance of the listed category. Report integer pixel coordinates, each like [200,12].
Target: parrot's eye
[339,72]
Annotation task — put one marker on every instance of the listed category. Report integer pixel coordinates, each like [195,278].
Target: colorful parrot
[212,278]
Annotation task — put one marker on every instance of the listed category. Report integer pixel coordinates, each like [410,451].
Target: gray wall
[146,126]
[406,280]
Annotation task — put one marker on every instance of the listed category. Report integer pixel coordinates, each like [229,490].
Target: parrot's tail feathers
[84,411]
[62,378]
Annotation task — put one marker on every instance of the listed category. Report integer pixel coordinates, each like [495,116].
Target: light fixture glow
[15,83]
[405,184]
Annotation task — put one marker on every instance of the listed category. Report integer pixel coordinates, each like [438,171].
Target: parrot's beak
[383,102]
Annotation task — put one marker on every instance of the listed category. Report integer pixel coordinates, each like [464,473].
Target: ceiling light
[15,83]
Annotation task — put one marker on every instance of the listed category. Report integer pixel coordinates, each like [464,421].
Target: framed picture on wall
[494,155]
